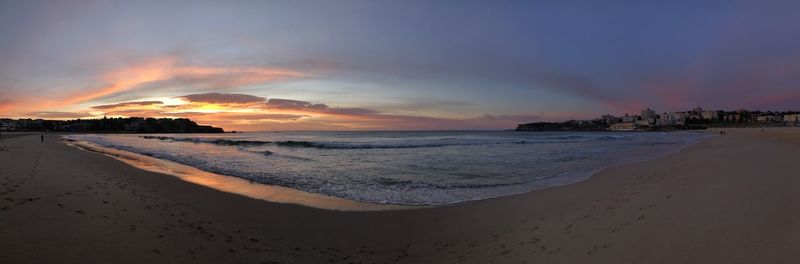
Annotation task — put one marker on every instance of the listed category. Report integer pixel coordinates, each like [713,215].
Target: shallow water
[414,168]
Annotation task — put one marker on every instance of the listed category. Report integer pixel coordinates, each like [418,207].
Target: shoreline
[234,185]
[728,199]
[281,194]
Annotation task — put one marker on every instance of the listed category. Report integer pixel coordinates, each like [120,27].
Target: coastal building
[622,127]
[695,114]
[610,119]
[710,115]
[628,118]
[768,118]
[649,116]
[664,121]
[791,119]
[7,125]
[732,117]
[676,118]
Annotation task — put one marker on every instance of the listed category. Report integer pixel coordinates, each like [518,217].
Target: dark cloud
[126,104]
[293,104]
[276,117]
[298,115]
[352,111]
[223,98]
[287,104]
[406,122]
[365,118]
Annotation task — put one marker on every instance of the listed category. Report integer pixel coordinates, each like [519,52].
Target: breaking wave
[356,145]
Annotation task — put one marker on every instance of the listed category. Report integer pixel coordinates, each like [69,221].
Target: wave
[496,167]
[220,141]
[420,185]
[352,145]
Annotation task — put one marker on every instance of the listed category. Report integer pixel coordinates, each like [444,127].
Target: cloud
[294,104]
[126,104]
[6,105]
[276,117]
[784,100]
[152,75]
[58,115]
[289,114]
[287,104]
[238,111]
[322,116]
[223,98]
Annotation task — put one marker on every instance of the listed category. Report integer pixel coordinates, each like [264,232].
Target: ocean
[405,168]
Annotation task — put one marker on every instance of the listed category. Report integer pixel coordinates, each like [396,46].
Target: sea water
[410,168]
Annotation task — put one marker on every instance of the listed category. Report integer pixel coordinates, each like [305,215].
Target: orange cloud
[58,115]
[127,104]
[165,69]
[126,79]
[247,112]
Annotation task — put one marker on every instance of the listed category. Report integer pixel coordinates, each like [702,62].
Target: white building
[768,118]
[791,118]
[677,118]
[710,115]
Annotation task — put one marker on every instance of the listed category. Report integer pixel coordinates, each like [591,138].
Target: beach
[728,199]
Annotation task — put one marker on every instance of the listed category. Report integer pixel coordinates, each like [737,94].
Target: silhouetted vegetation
[109,125]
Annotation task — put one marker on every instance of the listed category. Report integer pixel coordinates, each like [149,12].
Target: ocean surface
[411,168]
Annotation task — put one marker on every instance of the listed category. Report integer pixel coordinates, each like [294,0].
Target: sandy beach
[729,199]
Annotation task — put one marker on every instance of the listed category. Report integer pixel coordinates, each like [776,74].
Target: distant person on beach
[42,137]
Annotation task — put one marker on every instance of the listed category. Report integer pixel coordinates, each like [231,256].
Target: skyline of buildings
[646,119]
[698,116]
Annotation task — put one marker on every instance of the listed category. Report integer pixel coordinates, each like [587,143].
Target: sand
[730,199]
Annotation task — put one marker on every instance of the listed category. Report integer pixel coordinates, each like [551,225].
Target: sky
[393,65]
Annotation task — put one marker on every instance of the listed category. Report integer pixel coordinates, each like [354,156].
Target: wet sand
[730,199]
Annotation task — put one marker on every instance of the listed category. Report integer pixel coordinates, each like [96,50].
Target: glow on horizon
[227,109]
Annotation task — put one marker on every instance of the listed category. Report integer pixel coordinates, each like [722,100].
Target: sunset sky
[373,65]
